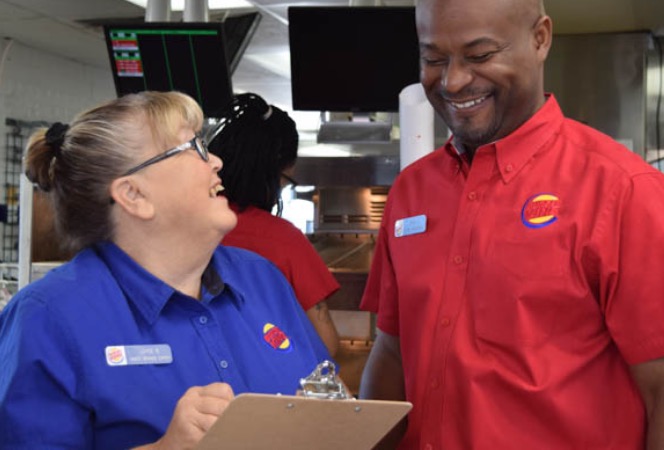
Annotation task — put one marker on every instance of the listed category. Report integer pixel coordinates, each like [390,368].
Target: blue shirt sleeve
[37,409]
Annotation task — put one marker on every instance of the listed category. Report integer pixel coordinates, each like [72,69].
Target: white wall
[39,86]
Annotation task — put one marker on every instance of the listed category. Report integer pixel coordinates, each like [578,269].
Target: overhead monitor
[238,31]
[187,57]
[351,58]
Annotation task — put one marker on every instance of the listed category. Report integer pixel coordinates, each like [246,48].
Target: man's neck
[466,152]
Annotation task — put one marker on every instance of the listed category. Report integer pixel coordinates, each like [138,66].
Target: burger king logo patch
[276,338]
[540,210]
[115,356]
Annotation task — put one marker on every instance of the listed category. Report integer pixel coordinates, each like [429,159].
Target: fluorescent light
[178,5]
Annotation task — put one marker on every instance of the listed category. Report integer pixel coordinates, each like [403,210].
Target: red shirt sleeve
[381,293]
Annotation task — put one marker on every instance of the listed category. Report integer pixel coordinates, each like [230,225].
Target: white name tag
[410,225]
[137,355]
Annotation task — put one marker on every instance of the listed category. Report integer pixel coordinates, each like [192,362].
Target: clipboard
[281,422]
[324,417]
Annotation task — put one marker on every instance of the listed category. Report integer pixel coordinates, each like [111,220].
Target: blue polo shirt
[97,353]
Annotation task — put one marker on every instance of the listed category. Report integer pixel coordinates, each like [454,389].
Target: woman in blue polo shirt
[147,334]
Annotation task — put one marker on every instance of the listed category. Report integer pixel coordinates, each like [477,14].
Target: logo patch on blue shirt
[410,225]
[276,338]
[138,355]
[540,210]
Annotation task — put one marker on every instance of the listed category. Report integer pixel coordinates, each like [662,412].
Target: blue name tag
[410,225]
[138,355]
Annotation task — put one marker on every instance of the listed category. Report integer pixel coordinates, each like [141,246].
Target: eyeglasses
[196,143]
[290,180]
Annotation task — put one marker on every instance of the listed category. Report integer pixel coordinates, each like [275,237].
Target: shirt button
[435,383]
[203,320]
[224,364]
[472,196]
[428,447]
[458,259]
[509,168]
[445,321]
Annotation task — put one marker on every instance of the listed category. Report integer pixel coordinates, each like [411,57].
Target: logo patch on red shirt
[540,210]
[276,338]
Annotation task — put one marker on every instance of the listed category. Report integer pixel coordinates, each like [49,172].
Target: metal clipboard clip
[323,382]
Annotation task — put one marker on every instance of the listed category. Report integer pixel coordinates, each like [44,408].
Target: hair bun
[250,103]
[55,136]
[240,105]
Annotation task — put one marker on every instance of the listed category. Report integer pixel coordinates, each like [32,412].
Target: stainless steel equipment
[602,80]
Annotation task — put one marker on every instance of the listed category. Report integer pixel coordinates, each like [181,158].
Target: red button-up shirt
[279,241]
[534,282]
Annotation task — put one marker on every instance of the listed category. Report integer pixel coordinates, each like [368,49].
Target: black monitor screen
[352,58]
[185,57]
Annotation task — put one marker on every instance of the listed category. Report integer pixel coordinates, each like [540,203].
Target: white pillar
[196,11]
[158,11]
[25,231]
[416,119]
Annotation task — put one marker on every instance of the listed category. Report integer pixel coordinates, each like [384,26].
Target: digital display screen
[352,58]
[185,57]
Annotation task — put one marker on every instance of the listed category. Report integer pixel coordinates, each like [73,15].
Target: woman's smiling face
[187,192]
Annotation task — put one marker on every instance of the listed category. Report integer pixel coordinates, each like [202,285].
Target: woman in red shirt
[258,144]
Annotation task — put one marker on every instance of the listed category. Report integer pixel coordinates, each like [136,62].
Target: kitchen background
[605,69]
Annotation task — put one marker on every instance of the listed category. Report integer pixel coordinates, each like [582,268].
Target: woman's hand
[194,414]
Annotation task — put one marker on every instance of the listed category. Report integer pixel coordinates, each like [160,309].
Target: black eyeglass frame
[290,180]
[196,143]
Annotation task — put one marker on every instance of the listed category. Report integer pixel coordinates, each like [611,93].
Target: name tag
[138,355]
[410,225]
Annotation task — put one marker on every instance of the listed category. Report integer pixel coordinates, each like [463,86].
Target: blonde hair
[98,147]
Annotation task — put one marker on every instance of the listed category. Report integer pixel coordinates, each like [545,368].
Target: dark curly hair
[256,143]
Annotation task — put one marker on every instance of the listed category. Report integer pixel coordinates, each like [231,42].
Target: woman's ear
[126,192]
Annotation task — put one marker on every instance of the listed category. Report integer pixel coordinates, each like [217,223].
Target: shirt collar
[515,150]
[147,293]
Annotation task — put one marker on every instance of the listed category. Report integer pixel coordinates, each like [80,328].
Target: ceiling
[64,27]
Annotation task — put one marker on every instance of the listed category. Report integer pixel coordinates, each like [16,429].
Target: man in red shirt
[516,274]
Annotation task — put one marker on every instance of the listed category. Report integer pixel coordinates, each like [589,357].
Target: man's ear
[543,34]
[126,192]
